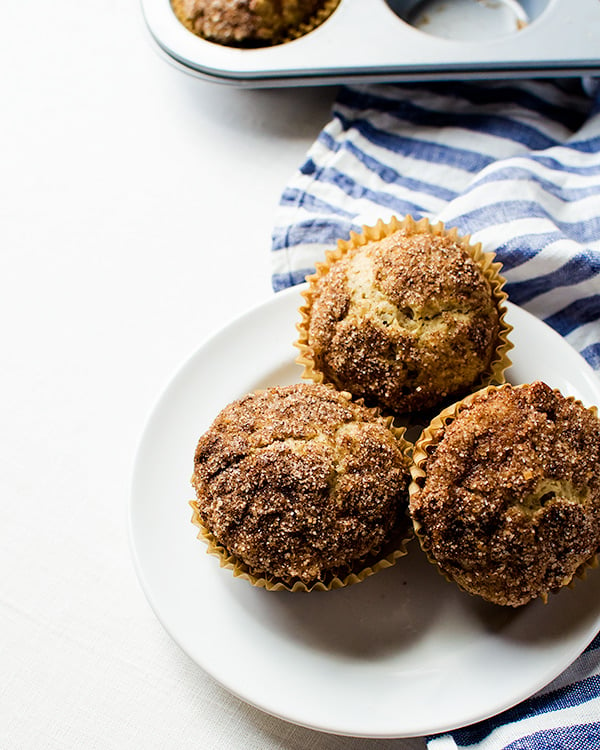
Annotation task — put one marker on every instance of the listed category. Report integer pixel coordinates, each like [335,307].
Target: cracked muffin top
[509,506]
[244,22]
[404,322]
[299,482]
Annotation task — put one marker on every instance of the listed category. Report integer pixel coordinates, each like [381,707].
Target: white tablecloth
[118,179]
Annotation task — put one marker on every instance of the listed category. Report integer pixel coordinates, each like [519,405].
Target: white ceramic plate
[402,654]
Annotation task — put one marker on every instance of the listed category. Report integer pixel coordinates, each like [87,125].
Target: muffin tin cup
[385,557]
[485,262]
[423,449]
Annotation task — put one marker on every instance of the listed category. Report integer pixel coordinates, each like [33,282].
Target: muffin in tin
[405,315]
[251,23]
[299,487]
[505,496]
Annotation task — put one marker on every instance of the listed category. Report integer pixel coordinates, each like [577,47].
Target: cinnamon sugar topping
[404,321]
[247,22]
[510,505]
[299,482]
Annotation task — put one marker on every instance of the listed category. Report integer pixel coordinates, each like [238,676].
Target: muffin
[505,495]
[300,486]
[405,316]
[251,22]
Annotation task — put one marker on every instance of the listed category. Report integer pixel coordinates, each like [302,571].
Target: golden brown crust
[299,482]
[509,506]
[234,22]
[403,322]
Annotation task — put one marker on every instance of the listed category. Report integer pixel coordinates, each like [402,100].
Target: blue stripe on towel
[419,148]
[393,177]
[488,123]
[587,170]
[592,355]
[354,189]
[503,211]
[581,737]
[570,111]
[572,695]
[517,250]
[555,188]
[310,202]
[581,267]
[585,310]
[318,231]
[292,278]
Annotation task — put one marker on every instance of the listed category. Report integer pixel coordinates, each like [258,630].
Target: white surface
[369,660]
[136,207]
[563,35]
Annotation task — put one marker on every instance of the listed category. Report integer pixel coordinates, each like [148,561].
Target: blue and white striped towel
[516,165]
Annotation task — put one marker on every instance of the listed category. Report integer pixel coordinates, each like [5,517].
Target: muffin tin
[400,40]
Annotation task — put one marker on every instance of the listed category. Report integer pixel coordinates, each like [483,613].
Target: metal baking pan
[400,40]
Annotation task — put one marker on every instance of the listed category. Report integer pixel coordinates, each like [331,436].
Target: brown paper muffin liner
[325,9]
[378,560]
[423,449]
[321,15]
[485,261]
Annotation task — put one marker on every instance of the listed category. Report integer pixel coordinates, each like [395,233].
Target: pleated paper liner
[424,448]
[484,260]
[371,565]
[385,557]
[321,14]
